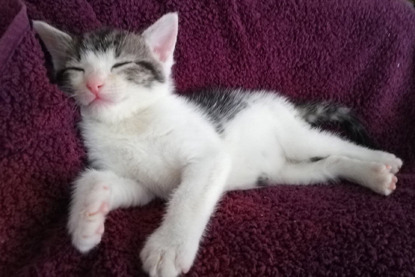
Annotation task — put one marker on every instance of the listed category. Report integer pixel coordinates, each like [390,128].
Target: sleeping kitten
[144,141]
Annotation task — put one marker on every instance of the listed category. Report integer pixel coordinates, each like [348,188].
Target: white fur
[148,142]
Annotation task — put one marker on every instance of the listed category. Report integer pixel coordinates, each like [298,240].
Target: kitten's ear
[162,36]
[56,41]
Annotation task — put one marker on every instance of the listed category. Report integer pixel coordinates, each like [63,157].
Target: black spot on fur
[318,114]
[316,159]
[262,181]
[219,105]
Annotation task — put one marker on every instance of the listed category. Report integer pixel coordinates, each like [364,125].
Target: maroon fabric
[359,53]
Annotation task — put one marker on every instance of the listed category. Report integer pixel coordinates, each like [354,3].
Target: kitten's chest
[138,151]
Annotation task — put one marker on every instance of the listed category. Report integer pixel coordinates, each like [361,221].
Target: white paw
[166,255]
[390,159]
[86,223]
[380,179]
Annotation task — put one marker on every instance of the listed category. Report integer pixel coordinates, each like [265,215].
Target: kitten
[144,141]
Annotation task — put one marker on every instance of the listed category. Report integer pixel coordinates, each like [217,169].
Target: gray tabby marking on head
[103,40]
[126,46]
[219,105]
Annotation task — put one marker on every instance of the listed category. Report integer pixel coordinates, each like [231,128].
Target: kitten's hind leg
[303,143]
[95,194]
[375,176]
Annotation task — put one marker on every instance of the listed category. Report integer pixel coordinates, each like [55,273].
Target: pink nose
[94,86]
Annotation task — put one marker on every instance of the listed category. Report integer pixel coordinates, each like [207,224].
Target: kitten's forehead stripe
[102,40]
[121,42]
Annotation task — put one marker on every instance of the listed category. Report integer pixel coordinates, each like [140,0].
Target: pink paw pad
[382,168]
[100,229]
[392,185]
[104,209]
[186,270]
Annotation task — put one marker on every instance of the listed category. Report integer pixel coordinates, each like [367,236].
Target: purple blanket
[358,53]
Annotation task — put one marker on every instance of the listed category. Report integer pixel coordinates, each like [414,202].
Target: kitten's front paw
[86,223]
[166,255]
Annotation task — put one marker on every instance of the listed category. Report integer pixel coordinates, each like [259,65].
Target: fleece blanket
[358,53]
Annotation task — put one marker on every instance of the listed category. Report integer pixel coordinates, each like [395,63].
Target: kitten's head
[112,73]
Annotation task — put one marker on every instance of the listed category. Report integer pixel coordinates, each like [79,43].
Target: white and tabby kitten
[144,141]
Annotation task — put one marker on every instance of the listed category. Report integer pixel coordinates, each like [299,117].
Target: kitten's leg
[300,142]
[95,194]
[172,248]
[375,176]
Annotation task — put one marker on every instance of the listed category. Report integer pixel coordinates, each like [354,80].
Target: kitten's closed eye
[120,64]
[134,68]
[144,64]
[72,68]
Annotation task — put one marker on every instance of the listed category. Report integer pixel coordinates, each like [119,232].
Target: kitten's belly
[148,162]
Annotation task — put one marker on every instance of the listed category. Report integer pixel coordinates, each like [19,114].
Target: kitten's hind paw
[380,179]
[393,163]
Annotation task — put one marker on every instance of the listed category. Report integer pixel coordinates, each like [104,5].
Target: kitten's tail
[319,113]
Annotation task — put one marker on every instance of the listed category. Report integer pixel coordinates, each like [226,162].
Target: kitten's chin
[109,111]
[100,102]
[102,111]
